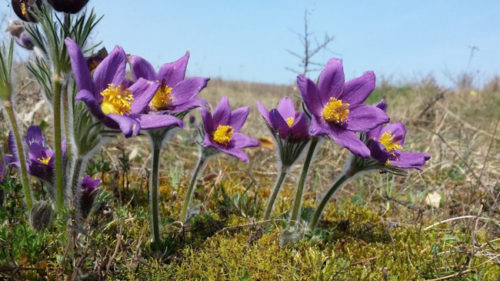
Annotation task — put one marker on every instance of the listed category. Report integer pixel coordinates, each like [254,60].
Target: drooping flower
[386,142]
[24,9]
[68,6]
[175,94]
[88,193]
[17,30]
[113,99]
[222,130]
[337,107]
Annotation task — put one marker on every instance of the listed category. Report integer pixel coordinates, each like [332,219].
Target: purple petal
[34,135]
[264,112]
[357,90]
[240,140]
[382,105]
[79,66]
[208,123]
[127,125]
[222,113]
[235,152]
[187,89]
[141,68]
[350,141]
[310,95]
[378,151]
[331,80]
[318,127]
[111,70]
[299,130]
[174,72]
[397,130]
[238,117]
[143,92]
[374,134]
[286,108]
[279,124]
[155,121]
[89,99]
[363,117]
[410,160]
[187,106]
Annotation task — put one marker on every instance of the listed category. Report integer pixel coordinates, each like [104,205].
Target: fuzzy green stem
[67,121]
[189,194]
[337,184]
[300,187]
[154,195]
[276,190]
[57,143]
[20,154]
[76,175]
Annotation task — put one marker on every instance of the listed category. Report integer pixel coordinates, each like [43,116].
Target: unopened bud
[41,215]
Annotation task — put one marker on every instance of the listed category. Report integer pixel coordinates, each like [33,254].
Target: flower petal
[34,135]
[279,124]
[350,141]
[286,108]
[382,105]
[222,113]
[397,130]
[357,90]
[238,117]
[318,128]
[264,112]
[299,130]
[79,66]
[331,80]
[187,90]
[310,95]
[143,92]
[127,125]
[111,70]
[408,160]
[208,123]
[363,117]
[155,121]
[378,151]
[174,72]
[141,68]
[93,105]
[235,152]
[187,106]
[240,140]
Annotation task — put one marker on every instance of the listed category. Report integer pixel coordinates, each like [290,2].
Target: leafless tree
[311,47]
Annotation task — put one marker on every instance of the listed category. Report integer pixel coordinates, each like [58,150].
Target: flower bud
[88,193]
[24,9]
[68,6]
[41,215]
[16,29]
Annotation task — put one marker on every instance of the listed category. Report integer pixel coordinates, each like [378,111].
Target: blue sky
[247,40]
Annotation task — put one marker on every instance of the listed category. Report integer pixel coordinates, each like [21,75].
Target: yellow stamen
[290,121]
[336,111]
[44,160]
[117,100]
[223,134]
[24,10]
[162,98]
[387,140]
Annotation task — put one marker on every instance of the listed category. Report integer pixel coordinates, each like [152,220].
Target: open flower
[222,130]
[175,94]
[88,193]
[284,122]
[68,6]
[113,99]
[24,9]
[337,107]
[386,142]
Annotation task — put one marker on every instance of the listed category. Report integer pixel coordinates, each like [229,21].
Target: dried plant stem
[20,154]
[57,143]
[276,189]
[189,194]
[300,187]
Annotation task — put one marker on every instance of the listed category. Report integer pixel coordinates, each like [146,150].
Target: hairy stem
[57,143]
[20,154]
[76,174]
[67,120]
[337,184]
[154,181]
[276,190]
[300,187]
[189,194]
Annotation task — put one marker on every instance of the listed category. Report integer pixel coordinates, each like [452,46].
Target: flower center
[223,134]
[387,140]
[162,97]
[336,111]
[24,10]
[117,100]
[44,160]
[290,121]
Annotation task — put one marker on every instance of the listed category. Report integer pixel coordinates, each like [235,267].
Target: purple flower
[175,94]
[88,193]
[386,142]
[222,130]
[111,98]
[2,173]
[337,107]
[284,122]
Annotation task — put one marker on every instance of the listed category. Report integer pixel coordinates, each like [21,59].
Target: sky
[248,40]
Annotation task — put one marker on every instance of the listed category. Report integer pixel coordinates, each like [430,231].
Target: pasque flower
[111,98]
[24,9]
[386,142]
[336,106]
[222,130]
[68,6]
[175,94]
[88,193]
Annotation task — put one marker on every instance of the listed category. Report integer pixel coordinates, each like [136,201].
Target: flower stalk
[276,189]
[59,182]
[154,195]
[200,165]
